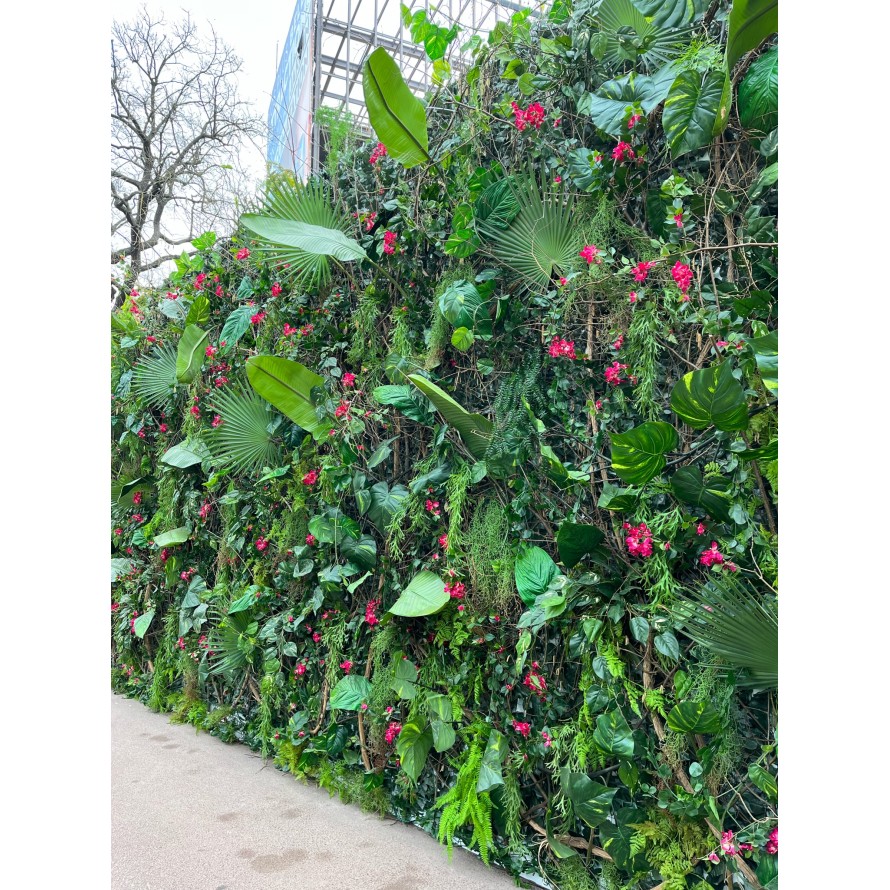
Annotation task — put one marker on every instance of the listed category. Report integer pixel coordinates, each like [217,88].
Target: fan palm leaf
[540,241]
[736,623]
[626,35]
[154,378]
[232,645]
[244,440]
[305,260]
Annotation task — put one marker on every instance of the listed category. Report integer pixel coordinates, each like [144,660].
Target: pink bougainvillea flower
[534,115]
[288,330]
[634,120]
[137,497]
[721,343]
[641,270]
[299,670]
[548,741]
[562,348]
[772,845]
[242,254]
[307,329]
[219,290]
[392,731]
[346,666]
[348,380]
[519,116]
[378,153]
[310,540]
[371,612]
[456,590]
[261,544]
[618,343]
[682,275]
[522,728]
[613,373]
[557,179]
[276,289]
[433,507]
[389,242]
[443,541]
[563,281]
[633,297]
[258,318]
[205,510]
[220,381]
[622,152]
[342,409]
[678,219]
[195,410]
[589,253]
[711,556]
[163,428]
[638,540]
[727,845]
[151,339]
[217,421]
[700,528]
[713,857]
[310,479]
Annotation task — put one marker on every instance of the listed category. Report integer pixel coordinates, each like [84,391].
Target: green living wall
[450,481]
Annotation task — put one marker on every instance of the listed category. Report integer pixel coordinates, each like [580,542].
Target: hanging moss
[490,560]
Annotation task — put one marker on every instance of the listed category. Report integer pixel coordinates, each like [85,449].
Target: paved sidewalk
[190,812]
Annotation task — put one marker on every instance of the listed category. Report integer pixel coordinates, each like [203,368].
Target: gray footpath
[189,812]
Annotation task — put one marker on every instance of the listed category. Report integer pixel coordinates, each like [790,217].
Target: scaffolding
[325,52]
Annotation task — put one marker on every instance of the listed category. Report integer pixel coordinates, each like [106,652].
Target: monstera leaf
[711,397]
[288,386]
[396,114]
[710,494]
[696,110]
[474,429]
[424,595]
[638,454]
[750,23]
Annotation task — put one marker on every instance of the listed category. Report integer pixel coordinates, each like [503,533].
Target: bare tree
[177,124]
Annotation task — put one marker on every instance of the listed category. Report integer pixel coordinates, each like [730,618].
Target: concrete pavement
[190,812]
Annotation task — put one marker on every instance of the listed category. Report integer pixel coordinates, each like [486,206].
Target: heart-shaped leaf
[413,745]
[424,595]
[638,454]
[534,570]
[710,397]
[697,717]
[695,110]
[711,494]
[350,692]
[576,540]
[590,800]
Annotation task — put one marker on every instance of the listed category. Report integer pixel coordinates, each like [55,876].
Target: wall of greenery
[451,481]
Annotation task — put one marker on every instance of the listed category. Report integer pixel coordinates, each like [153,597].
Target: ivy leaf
[638,454]
[696,717]
[350,692]
[413,745]
[711,494]
[424,595]
[710,397]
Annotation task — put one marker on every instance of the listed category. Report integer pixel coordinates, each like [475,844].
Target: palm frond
[231,645]
[542,238]
[738,624]
[245,439]
[154,378]
[627,35]
[305,203]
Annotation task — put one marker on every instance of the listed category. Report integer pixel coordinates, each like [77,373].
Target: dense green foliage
[451,481]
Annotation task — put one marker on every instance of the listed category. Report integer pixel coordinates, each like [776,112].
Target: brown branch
[570,841]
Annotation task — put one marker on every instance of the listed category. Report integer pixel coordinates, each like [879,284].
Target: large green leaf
[154,378]
[288,386]
[711,397]
[608,107]
[407,400]
[711,494]
[696,717]
[764,780]
[186,454]
[245,439]
[385,503]
[490,771]
[590,800]
[444,735]
[638,454]
[576,540]
[612,734]
[311,239]
[396,114]
[361,552]
[627,35]
[766,354]
[174,536]
[142,623]
[695,110]
[496,205]
[333,526]
[474,429]
[190,354]
[404,679]
[236,326]
[758,98]
[534,570]
[350,692]
[413,745]
[750,23]
[303,254]
[618,839]
[119,568]
[463,305]
[424,595]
